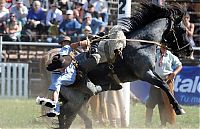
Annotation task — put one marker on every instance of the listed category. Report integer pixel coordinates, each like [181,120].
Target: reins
[179,49]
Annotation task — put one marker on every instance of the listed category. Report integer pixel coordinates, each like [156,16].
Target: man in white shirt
[167,66]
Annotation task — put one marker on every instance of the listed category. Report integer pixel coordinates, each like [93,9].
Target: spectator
[189,31]
[13,28]
[70,26]
[87,31]
[36,19]
[44,5]
[101,6]
[165,62]
[78,11]
[85,5]
[53,20]
[91,10]
[95,24]
[54,15]
[4,16]
[26,3]
[20,11]
[65,5]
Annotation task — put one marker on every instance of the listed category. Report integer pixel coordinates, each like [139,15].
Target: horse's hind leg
[155,80]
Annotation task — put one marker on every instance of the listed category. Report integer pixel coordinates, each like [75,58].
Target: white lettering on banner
[187,85]
[186,99]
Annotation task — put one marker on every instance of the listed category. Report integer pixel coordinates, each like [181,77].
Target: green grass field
[25,114]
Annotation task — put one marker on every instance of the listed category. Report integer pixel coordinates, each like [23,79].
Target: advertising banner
[186,87]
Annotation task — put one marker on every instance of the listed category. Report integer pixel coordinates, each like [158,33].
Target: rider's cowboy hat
[64,38]
[59,62]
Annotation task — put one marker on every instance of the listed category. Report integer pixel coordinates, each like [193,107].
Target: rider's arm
[82,44]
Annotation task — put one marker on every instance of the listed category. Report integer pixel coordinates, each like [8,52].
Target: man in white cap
[96,25]
[70,26]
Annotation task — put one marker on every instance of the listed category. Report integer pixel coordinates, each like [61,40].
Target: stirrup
[45,102]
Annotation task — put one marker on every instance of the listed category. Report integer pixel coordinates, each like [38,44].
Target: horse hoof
[180,111]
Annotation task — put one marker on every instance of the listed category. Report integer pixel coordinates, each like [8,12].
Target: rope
[137,40]
[133,40]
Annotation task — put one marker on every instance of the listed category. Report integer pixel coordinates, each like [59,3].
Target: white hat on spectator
[88,28]
[87,15]
[69,12]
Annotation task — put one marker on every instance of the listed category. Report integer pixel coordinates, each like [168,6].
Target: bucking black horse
[137,59]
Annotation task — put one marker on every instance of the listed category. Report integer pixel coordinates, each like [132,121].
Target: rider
[64,72]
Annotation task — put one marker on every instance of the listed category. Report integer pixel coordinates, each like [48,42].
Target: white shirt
[169,63]
[57,15]
[4,14]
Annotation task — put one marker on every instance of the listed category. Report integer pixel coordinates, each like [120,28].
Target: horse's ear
[177,12]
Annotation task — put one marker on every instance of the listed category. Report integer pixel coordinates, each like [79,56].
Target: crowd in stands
[44,21]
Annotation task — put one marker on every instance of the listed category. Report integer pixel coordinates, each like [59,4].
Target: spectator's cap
[19,1]
[87,28]
[64,38]
[87,15]
[69,12]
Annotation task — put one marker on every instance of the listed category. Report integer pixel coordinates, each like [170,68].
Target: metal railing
[23,43]
[13,80]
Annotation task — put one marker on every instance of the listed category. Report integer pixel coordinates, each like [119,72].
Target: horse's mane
[146,13]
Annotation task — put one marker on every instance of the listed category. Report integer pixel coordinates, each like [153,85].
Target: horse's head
[177,40]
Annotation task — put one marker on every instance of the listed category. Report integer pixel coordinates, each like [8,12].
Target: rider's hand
[84,43]
[171,76]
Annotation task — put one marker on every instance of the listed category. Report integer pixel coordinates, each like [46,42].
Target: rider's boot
[54,111]
[45,102]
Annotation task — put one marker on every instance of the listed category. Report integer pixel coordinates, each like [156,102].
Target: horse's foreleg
[83,114]
[66,117]
[155,80]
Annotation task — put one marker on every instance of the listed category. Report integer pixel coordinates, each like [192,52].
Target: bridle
[170,30]
[176,41]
